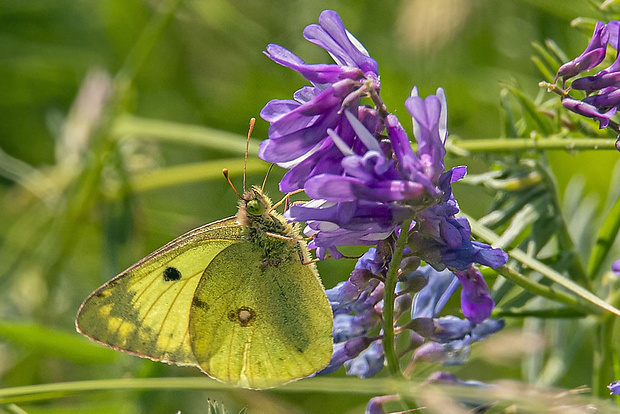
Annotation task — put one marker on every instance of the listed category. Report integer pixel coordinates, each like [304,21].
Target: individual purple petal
[591,57]
[599,81]
[428,116]
[607,98]
[449,378]
[332,36]
[344,351]
[453,353]
[277,108]
[350,326]
[588,110]
[486,328]
[373,260]
[345,293]
[375,404]
[429,301]
[446,329]
[317,73]
[341,188]
[476,301]
[615,267]
[368,363]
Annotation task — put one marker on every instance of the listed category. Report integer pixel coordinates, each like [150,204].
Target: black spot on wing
[171,274]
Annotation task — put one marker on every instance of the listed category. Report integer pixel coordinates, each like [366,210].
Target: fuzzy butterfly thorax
[261,225]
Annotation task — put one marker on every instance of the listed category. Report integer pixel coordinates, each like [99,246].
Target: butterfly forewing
[258,324]
[145,310]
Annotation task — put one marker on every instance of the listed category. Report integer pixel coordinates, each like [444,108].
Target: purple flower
[375,404]
[368,363]
[344,294]
[298,137]
[614,387]
[475,299]
[602,88]
[449,378]
[350,326]
[615,267]
[452,353]
[589,111]
[344,351]
[429,301]
[591,57]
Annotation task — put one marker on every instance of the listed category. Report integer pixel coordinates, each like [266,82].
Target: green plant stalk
[606,236]
[603,369]
[182,133]
[547,292]
[388,302]
[458,146]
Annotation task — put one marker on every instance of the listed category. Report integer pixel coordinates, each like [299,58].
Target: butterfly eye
[254,208]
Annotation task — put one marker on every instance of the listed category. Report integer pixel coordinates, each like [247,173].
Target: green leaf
[70,346]
[605,239]
[182,134]
[489,236]
[541,122]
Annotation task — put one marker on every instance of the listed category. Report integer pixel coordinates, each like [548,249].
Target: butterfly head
[254,205]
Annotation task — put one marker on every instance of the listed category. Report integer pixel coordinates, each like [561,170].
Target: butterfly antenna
[225,172]
[266,176]
[247,149]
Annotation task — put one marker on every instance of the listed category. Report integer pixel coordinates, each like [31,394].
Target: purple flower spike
[475,299]
[591,57]
[298,137]
[614,387]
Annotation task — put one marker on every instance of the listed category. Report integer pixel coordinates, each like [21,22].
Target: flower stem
[388,302]
[464,147]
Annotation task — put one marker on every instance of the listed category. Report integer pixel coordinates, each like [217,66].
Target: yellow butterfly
[238,298]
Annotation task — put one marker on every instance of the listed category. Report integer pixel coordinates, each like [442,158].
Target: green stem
[546,291]
[388,302]
[460,146]
[183,134]
[603,368]
[606,236]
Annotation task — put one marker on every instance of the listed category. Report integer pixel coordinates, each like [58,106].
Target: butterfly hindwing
[145,310]
[258,324]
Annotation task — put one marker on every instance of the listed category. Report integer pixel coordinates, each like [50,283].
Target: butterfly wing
[258,324]
[145,310]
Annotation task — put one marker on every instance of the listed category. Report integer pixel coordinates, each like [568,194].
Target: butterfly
[239,298]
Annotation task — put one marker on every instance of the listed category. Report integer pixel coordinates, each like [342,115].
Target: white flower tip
[364,135]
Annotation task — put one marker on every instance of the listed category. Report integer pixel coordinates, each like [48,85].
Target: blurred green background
[77,206]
